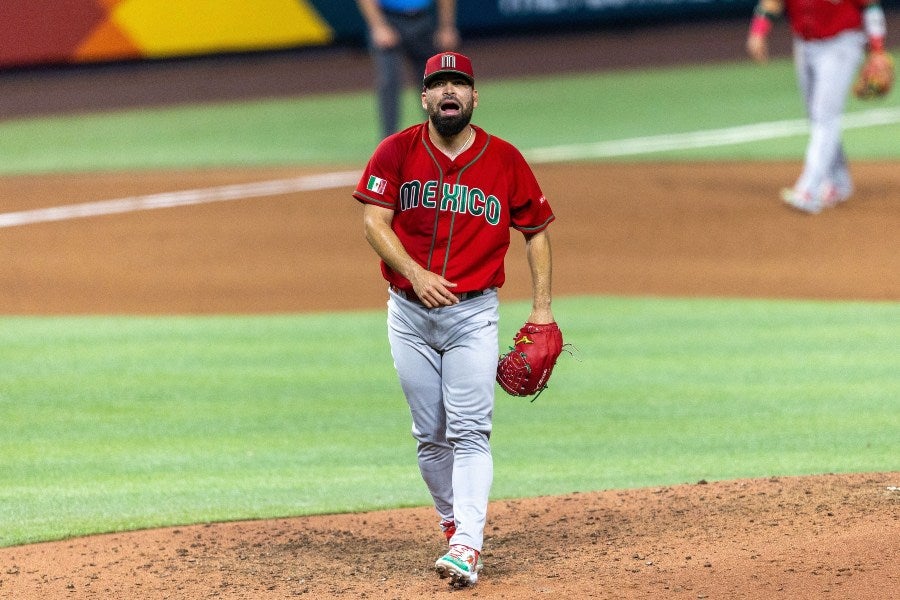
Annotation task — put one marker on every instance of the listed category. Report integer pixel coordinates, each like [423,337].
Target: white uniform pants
[825,71]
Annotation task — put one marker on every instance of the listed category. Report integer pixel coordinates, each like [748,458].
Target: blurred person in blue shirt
[404,29]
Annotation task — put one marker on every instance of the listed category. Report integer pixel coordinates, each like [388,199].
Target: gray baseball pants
[446,359]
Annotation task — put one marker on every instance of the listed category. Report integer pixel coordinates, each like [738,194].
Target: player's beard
[449,126]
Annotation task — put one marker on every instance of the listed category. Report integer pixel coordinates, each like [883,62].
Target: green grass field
[124,422]
[114,423]
[531,113]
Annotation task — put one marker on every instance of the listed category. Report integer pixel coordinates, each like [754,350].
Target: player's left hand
[526,368]
[876,77]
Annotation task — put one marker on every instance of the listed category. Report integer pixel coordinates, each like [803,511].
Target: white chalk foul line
[702,139]
[626,147]
[182,198]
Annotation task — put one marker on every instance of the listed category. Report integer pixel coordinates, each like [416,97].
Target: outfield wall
[40,32]
[508,16]
[75,31]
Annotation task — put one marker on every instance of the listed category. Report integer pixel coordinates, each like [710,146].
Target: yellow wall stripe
[187,27]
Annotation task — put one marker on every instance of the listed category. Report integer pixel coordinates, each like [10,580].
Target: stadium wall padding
[75,31]
[40,32]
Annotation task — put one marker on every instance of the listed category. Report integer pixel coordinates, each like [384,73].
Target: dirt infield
[657,229]
[663,229]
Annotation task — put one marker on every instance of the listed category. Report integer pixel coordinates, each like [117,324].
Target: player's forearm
[764,14]
[446,13]
[387,245]
[371,13]
[875,26]
[540,263]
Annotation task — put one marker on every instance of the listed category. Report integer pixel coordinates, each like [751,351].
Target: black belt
[411,296]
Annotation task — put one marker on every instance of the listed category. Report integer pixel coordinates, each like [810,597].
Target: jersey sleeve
[530,211]
[379,182]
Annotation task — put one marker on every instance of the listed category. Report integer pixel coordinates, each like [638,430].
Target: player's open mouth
[450,107]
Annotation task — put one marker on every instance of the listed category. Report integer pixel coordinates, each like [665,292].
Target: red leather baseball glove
[876,77]
[526,368]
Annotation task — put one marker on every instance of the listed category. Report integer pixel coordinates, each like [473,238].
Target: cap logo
[448,61]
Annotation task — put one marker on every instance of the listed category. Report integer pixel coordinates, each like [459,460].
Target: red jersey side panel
[454,216]
[819,19]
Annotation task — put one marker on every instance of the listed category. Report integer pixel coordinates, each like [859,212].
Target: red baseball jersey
[453,217]
[819,19]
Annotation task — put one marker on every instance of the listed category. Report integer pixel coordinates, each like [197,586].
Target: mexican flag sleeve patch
[376,184]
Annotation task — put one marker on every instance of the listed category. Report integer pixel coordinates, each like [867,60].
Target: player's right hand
[433,290]
[758,48]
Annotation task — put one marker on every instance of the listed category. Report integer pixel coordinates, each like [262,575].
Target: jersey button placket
[445,222]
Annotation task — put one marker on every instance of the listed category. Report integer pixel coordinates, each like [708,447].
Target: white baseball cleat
[802,201]
[833,195]
[461,564]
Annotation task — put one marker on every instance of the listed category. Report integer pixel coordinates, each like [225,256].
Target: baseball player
[439,201]
[829,43]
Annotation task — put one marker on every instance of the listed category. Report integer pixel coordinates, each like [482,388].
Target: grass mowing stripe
[340,129]
[121,422]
